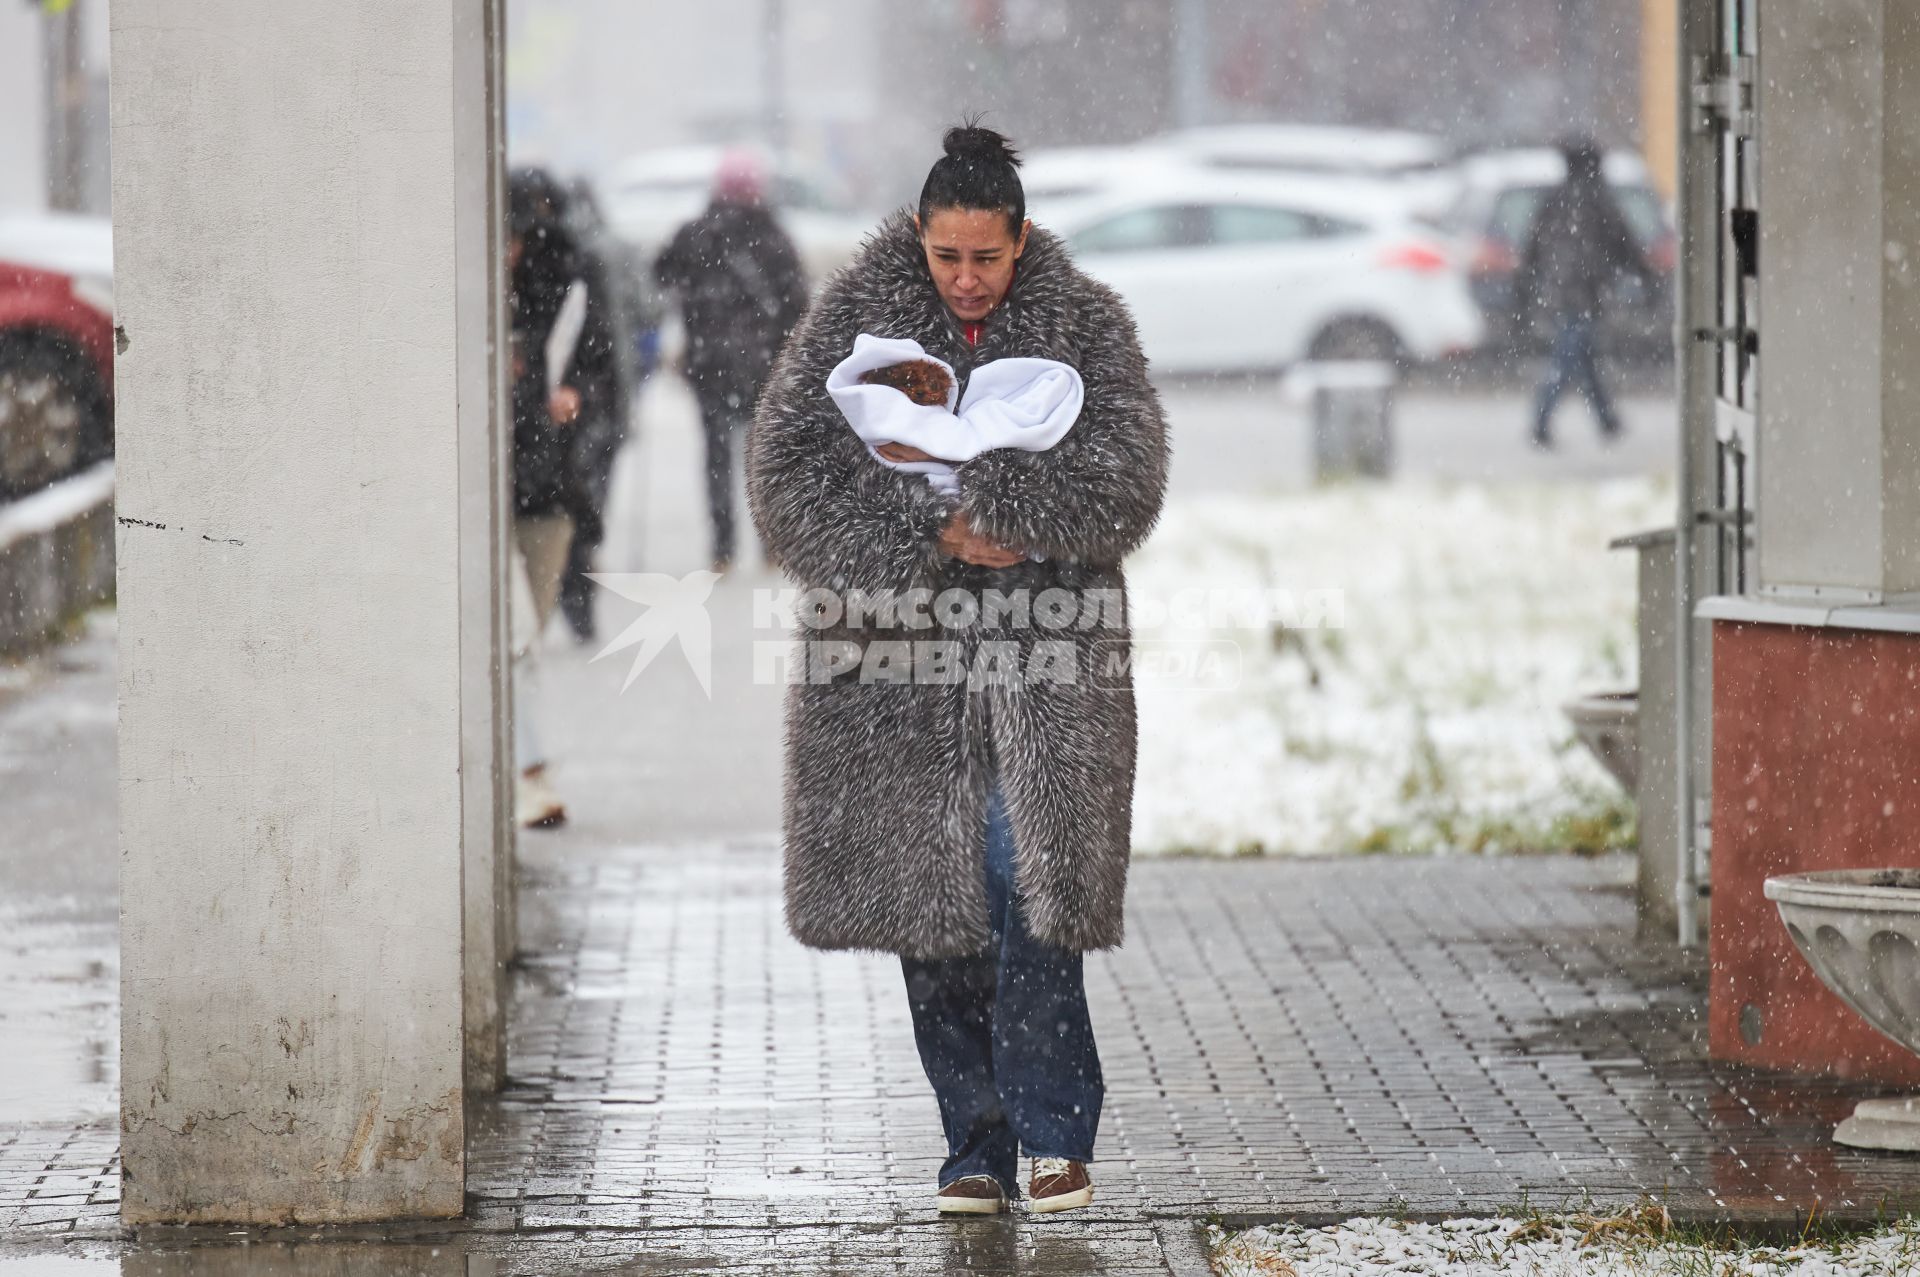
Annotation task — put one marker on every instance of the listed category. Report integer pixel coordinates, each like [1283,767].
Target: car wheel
[1367,339]
[52,414]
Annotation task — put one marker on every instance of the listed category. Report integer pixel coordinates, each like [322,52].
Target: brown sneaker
[974,1195]
[1058,1184]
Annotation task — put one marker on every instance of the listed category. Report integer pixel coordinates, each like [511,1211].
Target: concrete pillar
[1839,442]
[486,735]
[310,486]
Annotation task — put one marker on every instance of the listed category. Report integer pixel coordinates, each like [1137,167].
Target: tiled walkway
[1316,1037]
[1308,1038]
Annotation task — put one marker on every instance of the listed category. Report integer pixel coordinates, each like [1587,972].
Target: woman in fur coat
[960,725]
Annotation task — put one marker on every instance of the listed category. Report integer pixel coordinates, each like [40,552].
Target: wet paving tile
[1323,1036]
[692,1091]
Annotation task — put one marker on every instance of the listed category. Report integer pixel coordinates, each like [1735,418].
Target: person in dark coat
[1579,245]
[543,267]
[604,373]
[741,291]
[975,824]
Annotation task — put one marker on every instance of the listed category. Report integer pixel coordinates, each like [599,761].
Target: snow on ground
[1427,717]
[1547,1248]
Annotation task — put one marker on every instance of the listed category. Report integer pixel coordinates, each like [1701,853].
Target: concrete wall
[486,732]
[1839,451]
[299,257]
[1657,744]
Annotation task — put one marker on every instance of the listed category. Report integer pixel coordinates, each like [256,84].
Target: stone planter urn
[1607,723]
[1859,929]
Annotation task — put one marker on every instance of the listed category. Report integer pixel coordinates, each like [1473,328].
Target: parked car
[1229,272]
[650,196]
[56,348]
[1492,219]
[1416,168]
[1055,175]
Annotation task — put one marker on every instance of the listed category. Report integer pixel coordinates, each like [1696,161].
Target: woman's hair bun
[980,170]
[971,141]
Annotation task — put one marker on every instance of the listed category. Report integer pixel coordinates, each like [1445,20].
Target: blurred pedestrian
[547,310]
[1579,245]
[741,291]
[605,372]
[971,817]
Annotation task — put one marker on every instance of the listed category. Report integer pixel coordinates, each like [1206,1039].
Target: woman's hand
[905,452]
[960,540]
[564,405]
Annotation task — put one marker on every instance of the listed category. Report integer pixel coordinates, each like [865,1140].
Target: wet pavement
[693,1092]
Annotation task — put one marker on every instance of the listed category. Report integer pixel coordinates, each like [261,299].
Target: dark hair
[980,170]
[534,199]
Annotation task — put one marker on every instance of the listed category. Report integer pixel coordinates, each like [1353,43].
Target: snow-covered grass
[1638,1243]
[1431,718]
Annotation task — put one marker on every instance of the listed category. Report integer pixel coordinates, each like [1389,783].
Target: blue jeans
[1006,1039]
[1573,364]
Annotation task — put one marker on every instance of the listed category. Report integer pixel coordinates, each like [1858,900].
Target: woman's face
[971,252]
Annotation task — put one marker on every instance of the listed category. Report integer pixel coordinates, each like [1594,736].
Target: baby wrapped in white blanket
[1010,403]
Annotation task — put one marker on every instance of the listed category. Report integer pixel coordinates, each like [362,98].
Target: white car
[1229,273]
[1417,167]
[1318,148]
[650,196]
[1056,175]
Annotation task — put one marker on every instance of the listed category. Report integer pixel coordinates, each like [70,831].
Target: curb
[56,557]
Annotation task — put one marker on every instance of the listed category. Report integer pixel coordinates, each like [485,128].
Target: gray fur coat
[887,779]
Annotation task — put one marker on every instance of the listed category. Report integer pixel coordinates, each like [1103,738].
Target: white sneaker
[535,805]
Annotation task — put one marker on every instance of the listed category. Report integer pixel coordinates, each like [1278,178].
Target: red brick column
[1816,765]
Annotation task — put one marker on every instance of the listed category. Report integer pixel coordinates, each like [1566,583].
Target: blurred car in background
[1417,168]
[1053,176]
[651,195]
[56,348]
[1413,169]
[1240,272]
[1492,218]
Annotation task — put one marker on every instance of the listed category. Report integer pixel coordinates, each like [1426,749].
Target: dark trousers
[596,448]
[1006,1039]
[724,413]
[1574,364]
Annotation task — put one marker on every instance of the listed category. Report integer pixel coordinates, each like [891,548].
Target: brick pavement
[1318,1037]
[1309,1038]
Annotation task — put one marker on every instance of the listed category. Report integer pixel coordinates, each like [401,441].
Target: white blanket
[1010,403]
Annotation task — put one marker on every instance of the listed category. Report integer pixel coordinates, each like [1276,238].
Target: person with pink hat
[741,291]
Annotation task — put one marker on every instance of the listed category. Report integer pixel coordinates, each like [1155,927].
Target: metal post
[773,70]
[66,105]
[1695,305]
[1192,81]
